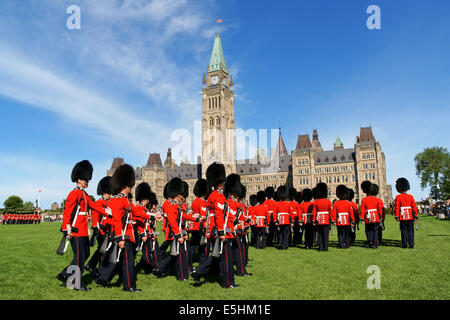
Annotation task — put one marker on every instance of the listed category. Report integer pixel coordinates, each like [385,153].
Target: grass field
[29,264]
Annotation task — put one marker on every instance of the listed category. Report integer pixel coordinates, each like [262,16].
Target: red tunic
[343,212]
[216,204]
[371,209]
[306,212]
[405,207]
[272,206]
[262,216]
[198,210]
[81,221]
[284,213]
[251,212]
[323,212]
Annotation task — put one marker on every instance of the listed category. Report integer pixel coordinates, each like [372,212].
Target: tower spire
[217,61]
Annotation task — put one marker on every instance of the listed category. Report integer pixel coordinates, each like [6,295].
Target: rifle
[64,241]
[104,246]
[94,237]
[126,220]
[175,248]
[203,239]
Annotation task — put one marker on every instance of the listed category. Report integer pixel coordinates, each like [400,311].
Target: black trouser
[322,236]
[297,236]
[372,233]
[193,243]
[204,250]
[309,230]
[260,237]
[127,256]
[180,260]
[80,248]
[92,263]
[163,247]
[284,235]
[106,270]
[253,235]
[344,236]
[407,233]
[380,233]
[151,255]
[225,263]
[245,244]
[272,234]
[239,255]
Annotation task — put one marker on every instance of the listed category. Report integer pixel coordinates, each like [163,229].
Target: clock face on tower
[214,80]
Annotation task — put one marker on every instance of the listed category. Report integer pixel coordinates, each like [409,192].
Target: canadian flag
[219,20]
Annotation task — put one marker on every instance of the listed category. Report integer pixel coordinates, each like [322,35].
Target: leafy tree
[28,205]
[13,202]
[432,169]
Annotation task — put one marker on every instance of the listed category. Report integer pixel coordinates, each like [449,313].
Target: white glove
[108,212]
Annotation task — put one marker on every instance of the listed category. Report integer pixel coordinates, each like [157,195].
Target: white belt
[279,213]
[260,217]
[270,211]
[322,212]
[343,214]
[82,213]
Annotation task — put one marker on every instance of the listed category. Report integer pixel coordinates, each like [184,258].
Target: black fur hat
[402,185]
[153,199]
[253,200]
[261,197]
[103,186]
[243,192]
[307,194]
[165,191]
[82,170]
[292,193]
[351,194]
[299,197]
[143,191]
[342,192]
[185,189]
[365,186]
[175,187]
[201,188]
[374,189]
[283,193]
[275,197]
[322,190]
[270,192]
[215,174]
[123,176]
[232,185]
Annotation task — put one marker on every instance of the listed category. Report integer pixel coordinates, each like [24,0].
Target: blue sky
[123,83]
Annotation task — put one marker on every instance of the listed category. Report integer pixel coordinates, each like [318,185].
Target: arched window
[211,121]
[219,101]
[218,121]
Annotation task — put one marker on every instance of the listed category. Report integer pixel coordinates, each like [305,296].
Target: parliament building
[303,167]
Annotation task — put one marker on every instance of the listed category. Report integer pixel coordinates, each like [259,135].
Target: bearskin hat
[307,194]
[314,193]
[185,189]
[402,185]
[143,192]
[374,189]
[82,170]
[103,186]
[123,176]
[270,192]
[165,191]
[275,197]
[253,200]
[175,187]
[261,197]
[201,188]
[298,197]
[351,194]
[342,192]
[215,174]
[292,193]
[365,186]
[153,199]
[322,190]
[243,192]
[283,193]
[232,185]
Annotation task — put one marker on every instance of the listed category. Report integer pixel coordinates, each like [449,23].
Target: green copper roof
[338,142]
[217,58]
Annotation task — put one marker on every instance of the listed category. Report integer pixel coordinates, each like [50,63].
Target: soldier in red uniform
[271,205]
[103,190]
[371,213]
[345,216]
[294,230]
[143,194]
[306,217]
[375,190]
[262,218]
[197,231]
[216,203]
[405,212]
[251,211]
[351,195]
[176,232]
[322,215]
[285,216]
[245,225]
[123,212]
[75,223]
[167,202]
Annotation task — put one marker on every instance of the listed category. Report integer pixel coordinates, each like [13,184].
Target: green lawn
[29,264]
